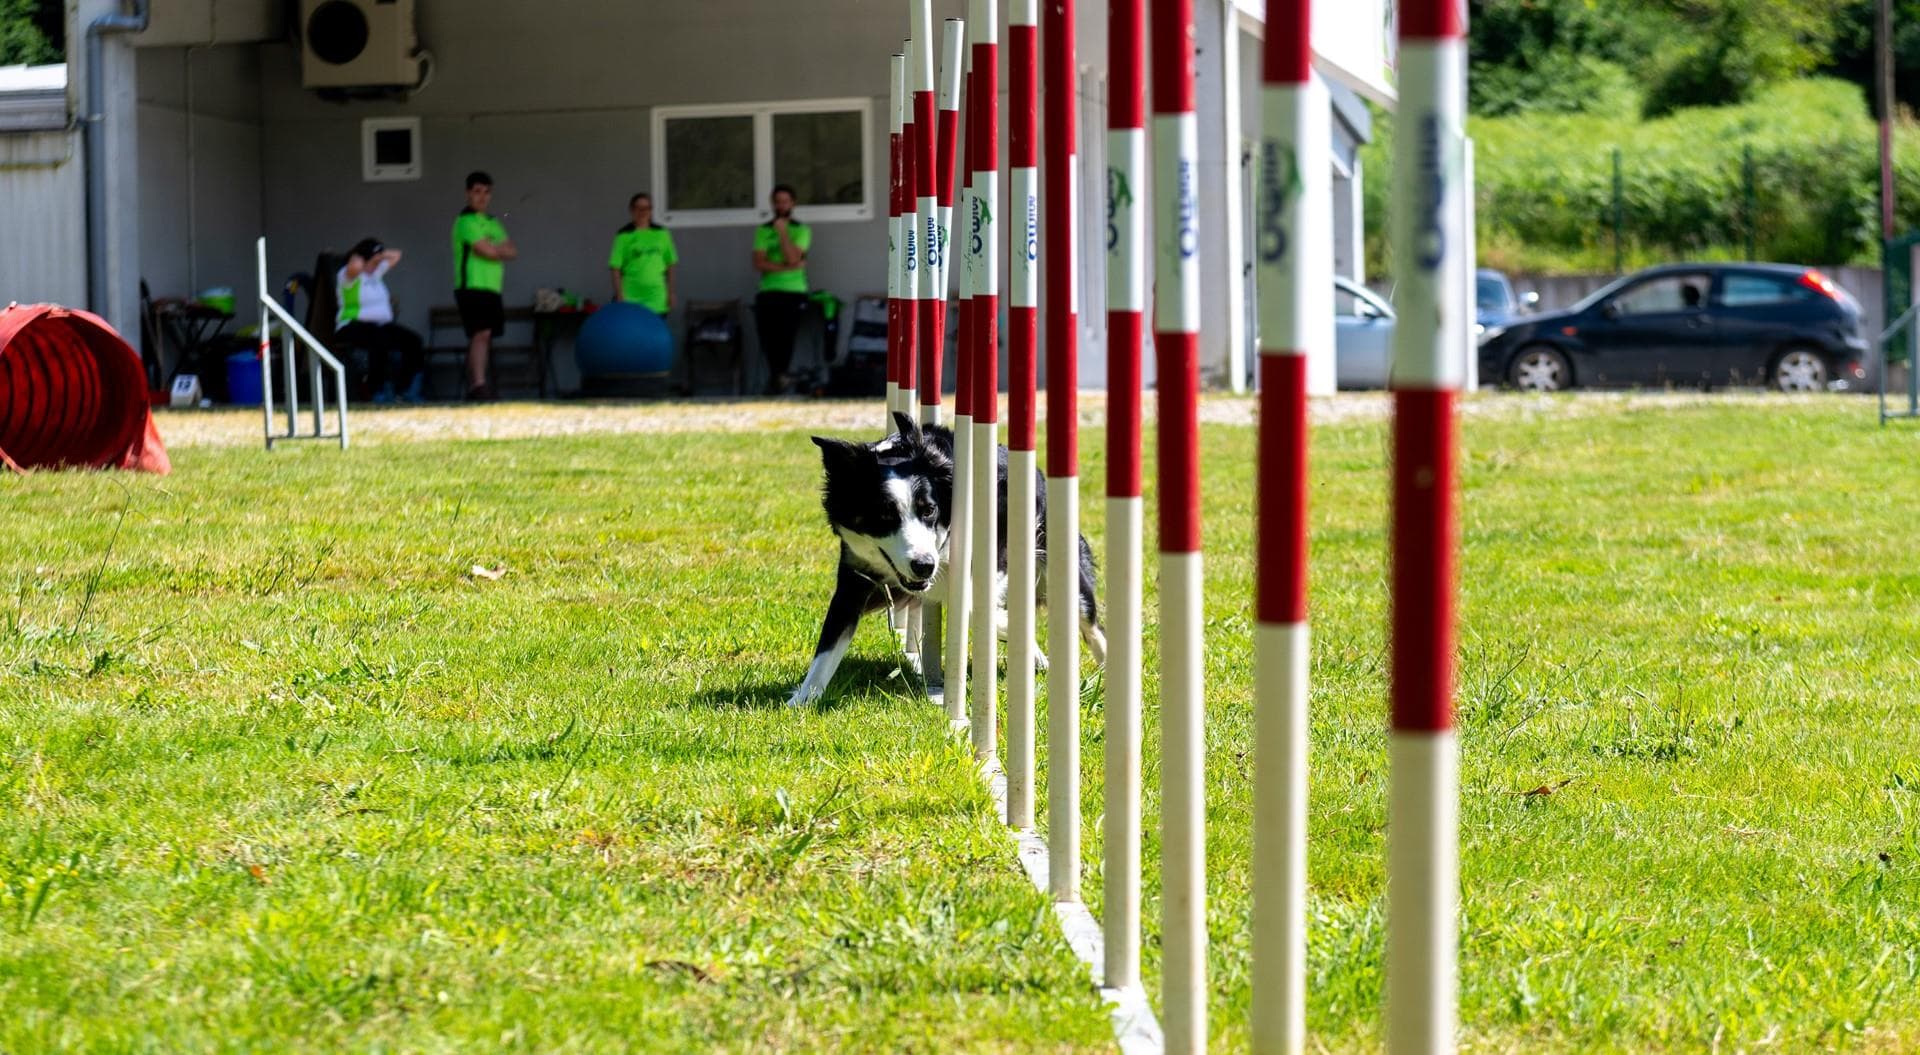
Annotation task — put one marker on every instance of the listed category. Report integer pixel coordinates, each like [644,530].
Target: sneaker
[413,393]
[480,394]
[385,395]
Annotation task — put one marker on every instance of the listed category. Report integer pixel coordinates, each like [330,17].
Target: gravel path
[501,421]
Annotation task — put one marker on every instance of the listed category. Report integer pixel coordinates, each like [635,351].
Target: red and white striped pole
[1429,366]
[1127,256]
[1176,151]
[923,629]
[909,234]
[983,130]
[1280,590]
[896,247]
[933,331]
[959,571]
[900,273]
[1062,275]
[1023,354]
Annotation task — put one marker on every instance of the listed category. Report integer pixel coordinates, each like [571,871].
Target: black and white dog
[891,503]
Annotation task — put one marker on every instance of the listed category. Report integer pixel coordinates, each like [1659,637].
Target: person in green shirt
[642,259]
[780,256]
[481,249]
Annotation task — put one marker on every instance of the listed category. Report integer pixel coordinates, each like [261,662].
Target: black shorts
[480,310]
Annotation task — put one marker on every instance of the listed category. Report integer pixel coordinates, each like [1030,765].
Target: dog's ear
[837,453]
[908,428]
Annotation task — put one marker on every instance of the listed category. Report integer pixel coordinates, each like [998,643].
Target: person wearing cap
[780,256]
[364,319]
[481,249]
[642,259]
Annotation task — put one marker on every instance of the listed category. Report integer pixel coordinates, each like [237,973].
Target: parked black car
[1703,325]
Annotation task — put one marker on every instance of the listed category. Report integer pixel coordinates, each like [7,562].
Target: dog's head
[890,503]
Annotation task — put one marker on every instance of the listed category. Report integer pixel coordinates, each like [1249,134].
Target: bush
[1544,183]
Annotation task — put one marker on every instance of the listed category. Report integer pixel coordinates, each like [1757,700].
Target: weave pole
[900,274]
[1023,355]
[959,571]
[1286,279]
[1176,150]
[1429,366]
[923,620]
[896,245]
[1062,205]
[983,249]
[933,326]
[1127,256]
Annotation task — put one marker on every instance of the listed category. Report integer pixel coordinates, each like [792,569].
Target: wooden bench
[445,318]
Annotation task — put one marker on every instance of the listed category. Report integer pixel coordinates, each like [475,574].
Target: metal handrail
[292,331]
[1905,321]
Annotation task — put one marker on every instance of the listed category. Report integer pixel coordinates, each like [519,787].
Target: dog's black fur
[891,504]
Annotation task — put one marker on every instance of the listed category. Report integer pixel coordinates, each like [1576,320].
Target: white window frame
[371,170]
[762,114]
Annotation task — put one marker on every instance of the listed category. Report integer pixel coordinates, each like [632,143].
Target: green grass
[277,773]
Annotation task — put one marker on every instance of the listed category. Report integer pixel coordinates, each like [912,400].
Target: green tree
[22,40]
[1593,56]
[1733,47]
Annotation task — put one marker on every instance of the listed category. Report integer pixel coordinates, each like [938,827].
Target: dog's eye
[923,509]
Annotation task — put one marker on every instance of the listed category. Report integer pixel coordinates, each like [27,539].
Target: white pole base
[1121,869]
[1063,686]
[1183,838]
[959,570]
[1423,891]
[986,569]
[1280,838]
[1021,660]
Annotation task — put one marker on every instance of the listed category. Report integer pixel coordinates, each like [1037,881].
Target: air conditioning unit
[358,44]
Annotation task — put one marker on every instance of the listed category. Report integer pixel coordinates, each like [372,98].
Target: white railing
[291,332]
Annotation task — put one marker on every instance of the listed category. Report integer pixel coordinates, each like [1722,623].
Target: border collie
[891,503]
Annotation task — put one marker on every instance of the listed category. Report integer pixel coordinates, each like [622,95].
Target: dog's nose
[922,569]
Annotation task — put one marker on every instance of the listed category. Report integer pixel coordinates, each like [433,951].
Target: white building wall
[200,185]
[558,109]
[42,212]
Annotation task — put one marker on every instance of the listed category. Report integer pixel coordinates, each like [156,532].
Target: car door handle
[1697,322]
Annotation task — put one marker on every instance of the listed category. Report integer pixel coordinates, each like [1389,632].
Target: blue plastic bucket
[243,379]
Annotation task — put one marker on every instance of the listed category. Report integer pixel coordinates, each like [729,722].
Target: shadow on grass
[857,676]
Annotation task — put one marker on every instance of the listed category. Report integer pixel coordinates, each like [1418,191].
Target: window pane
[1667,293]
[819,155]
[1747,290]
[1492,293]
[710,162]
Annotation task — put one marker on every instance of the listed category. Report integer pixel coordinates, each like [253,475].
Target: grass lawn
[279,772]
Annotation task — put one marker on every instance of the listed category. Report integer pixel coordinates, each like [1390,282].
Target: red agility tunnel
[72,393]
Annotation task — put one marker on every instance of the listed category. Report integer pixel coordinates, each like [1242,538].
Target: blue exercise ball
[623,339]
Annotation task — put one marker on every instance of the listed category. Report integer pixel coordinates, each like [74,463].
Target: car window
[1748,290]
[1492,293]
[1666,293]
[1350,304]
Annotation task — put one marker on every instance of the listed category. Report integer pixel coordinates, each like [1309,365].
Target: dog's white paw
[1096,643]
[1039,658]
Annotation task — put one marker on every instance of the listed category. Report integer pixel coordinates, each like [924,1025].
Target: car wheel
[1540,369]
[1800,370]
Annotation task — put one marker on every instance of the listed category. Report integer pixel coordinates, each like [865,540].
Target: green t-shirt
[642,255]
[765,237]
[470,269]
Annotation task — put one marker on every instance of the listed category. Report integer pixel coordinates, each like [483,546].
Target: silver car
[1362,336]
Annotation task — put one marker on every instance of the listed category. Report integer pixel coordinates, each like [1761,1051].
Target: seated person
[365,320]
